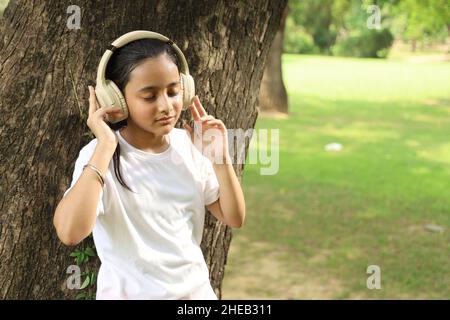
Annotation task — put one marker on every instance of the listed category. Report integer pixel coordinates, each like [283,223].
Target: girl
[147,220]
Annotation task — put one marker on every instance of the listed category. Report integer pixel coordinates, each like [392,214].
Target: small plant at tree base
[88,277]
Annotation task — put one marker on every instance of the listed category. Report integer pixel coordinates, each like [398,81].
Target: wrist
[221,162]
[107,145]
[97,172]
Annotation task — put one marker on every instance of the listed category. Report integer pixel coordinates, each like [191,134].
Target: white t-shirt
[149,241]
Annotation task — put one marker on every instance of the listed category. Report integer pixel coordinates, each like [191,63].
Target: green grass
[326,216]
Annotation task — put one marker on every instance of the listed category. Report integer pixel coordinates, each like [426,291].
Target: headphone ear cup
[188,89]
[117,99]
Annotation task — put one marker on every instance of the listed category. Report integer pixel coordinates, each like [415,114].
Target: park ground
[313,228]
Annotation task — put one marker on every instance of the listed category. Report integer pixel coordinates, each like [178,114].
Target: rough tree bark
[272,94]
[45,68]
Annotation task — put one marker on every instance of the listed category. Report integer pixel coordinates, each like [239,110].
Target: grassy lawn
[314,228]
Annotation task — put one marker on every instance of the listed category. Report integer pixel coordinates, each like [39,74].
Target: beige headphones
[109,95]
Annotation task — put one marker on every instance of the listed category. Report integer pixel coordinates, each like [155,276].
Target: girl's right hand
[96,120]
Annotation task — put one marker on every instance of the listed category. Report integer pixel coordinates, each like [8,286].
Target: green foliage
[419,20]
[341,27]
[357,40]
[81,257]
[368,44]
[320,19]
[296,40]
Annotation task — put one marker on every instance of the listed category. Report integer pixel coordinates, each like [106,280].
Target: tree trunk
[413,45]
[45,68]
[272,95]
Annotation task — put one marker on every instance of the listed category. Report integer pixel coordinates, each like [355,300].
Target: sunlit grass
[333,214]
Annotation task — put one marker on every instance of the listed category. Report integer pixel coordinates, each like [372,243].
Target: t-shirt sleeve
[83,158]
[210,182]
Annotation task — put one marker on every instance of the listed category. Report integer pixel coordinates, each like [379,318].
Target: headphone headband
[132,36]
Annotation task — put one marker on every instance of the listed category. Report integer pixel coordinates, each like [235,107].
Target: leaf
[74,254]
[90,252]
[80,296]
[78,260]
[85,283]
[93,278]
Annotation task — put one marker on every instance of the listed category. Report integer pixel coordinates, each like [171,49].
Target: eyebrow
[147,88]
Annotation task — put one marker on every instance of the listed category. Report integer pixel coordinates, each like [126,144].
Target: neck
[145,141]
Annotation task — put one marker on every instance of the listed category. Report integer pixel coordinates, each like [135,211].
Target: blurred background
[360,93]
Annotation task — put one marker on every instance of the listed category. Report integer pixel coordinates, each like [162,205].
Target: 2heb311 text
[226,309]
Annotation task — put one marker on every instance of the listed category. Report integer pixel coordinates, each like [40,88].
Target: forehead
[154,71]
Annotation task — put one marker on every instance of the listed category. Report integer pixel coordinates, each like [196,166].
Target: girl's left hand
[210,135]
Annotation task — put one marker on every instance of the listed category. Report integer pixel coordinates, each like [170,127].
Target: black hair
[123,61]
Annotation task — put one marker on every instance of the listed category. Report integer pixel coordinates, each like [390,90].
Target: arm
[230,207]
[75,214]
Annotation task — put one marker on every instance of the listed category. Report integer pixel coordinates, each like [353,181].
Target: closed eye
[171,94]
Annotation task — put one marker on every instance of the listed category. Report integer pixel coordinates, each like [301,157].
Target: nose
[164,105]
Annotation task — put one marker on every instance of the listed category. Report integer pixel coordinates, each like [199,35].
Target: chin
[164,129]
[167,129]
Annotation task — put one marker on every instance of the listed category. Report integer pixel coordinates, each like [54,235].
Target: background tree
[340,27]
[418,21]
[321,19]
[45,68]
[272,94]
[361,33]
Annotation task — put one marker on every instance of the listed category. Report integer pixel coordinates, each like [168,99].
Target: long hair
[121,64]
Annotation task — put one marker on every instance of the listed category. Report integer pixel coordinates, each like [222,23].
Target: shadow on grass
[337,213]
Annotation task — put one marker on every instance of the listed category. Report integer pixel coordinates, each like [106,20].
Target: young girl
[147,218]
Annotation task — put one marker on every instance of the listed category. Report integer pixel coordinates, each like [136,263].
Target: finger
[207,118]
[201,111]
[210,122]
[92,101]
[194,112]
[115,109]
[214,122]
[107,110]
[115,114]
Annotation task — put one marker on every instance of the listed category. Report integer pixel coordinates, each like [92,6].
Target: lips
[165,119]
